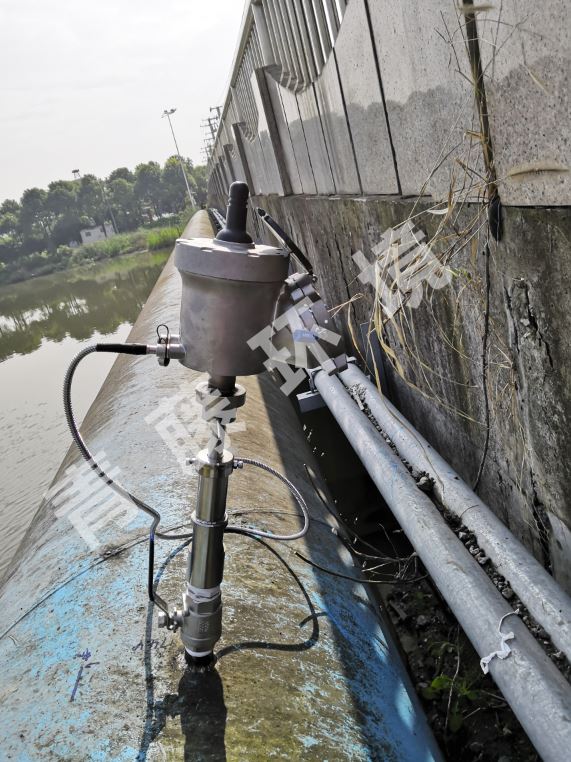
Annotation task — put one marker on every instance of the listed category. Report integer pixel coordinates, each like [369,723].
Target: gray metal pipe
[547,602]
[537,692]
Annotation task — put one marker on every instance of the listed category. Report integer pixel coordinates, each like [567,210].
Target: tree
[10,225]
[124,202]
[45,219]
[90,198]
[200,177]
[62,198]
[121,173]
[35,217]
[148,188]
[9,207]
[174,192]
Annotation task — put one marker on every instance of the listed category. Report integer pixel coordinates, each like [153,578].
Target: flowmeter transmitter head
[230,289]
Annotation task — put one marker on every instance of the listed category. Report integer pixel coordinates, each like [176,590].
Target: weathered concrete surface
[527,471]
[396,97]
[267,165]
[298,139]
[413,59]
[314,136]
[289,156]
[364,101]
[526,58]
[337,136]
[430,99]
[305,669]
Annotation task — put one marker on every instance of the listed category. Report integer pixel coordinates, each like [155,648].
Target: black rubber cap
[236,215]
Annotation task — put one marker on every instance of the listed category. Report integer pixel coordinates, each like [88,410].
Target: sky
[83,84]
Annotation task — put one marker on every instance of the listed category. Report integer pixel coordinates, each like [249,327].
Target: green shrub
[162,238]
[162,222]
[63,253]
[124,243]
[185,215]
[43,263]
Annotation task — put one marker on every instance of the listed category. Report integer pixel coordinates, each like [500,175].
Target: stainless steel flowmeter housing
[229,294]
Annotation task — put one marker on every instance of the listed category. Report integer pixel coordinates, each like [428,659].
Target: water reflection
[75,305]
[43,324]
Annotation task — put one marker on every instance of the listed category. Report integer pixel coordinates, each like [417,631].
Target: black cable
[285,240]
[154,597]
[122,349]
[365,581]
[485,370]
[130,349]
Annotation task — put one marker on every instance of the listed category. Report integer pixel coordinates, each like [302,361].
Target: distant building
[97,233]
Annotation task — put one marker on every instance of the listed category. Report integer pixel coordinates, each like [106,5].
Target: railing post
[263,34]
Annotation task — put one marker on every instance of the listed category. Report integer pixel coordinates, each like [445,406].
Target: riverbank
[67,258]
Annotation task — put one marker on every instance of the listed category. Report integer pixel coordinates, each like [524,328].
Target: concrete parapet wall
[416,98]
[427,111]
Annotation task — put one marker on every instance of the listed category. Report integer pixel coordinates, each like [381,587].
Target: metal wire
[297,496]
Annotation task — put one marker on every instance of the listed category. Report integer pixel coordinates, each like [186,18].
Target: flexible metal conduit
[537,692]
[545,599]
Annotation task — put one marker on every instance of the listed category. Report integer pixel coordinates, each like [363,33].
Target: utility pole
[212,124]
[168,113]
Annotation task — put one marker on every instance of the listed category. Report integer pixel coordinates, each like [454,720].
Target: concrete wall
[424,112]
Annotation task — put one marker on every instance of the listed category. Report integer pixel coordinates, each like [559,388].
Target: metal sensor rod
[236,215]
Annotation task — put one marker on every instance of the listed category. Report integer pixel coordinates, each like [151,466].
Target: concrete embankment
[305,668]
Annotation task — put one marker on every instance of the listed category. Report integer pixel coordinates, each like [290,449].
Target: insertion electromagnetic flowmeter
[232,289]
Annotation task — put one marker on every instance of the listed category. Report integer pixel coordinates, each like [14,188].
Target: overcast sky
[83,84]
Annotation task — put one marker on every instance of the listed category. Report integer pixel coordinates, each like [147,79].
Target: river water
[44,322]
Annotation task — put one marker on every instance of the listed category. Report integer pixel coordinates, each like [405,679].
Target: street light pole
[168,113]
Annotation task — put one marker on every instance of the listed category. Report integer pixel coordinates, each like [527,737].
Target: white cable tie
[505,650]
